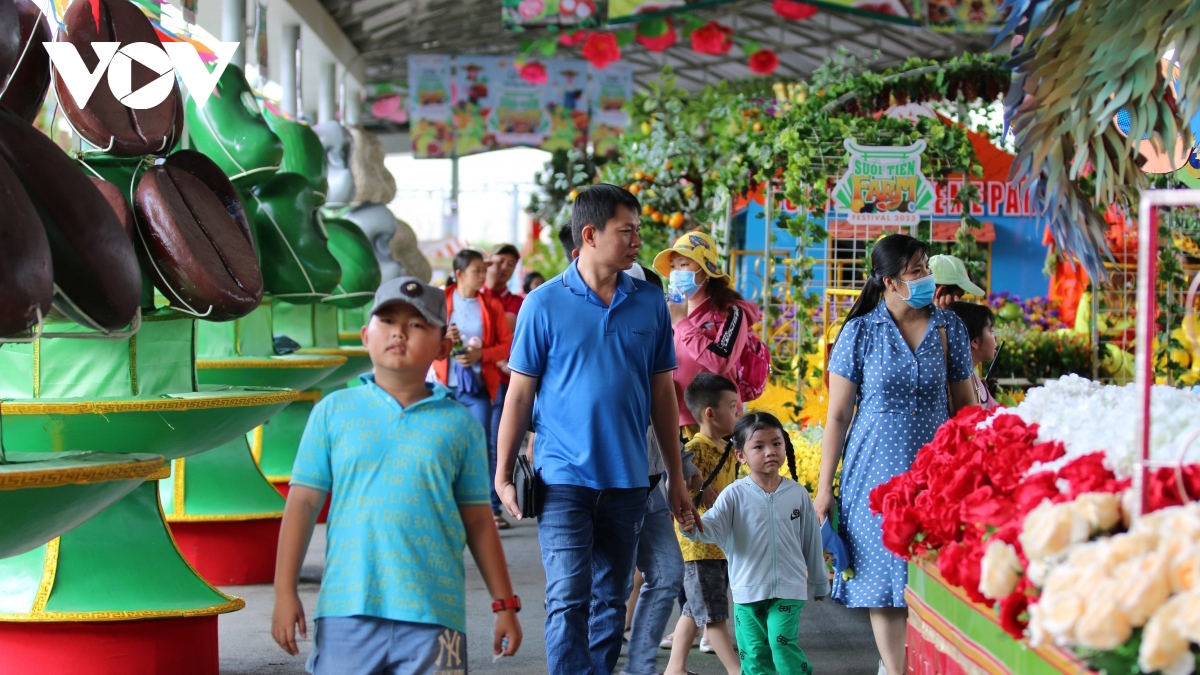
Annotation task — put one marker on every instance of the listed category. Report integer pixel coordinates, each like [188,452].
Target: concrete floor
[837,640]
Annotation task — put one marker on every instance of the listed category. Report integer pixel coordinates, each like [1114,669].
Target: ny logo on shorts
[450,649]
[786,609]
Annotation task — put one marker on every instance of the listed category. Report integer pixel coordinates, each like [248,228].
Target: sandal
[501,523]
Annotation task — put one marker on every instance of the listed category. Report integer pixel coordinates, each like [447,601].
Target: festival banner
[497,108]
[568,14]
[611,88]
[884,186]
[430,98]
[492,103]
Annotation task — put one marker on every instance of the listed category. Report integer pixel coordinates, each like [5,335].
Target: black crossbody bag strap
[713,476]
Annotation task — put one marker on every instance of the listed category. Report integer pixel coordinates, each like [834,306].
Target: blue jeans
[588,539]
[366,645]
[661,563]
[480,407]
[493,435]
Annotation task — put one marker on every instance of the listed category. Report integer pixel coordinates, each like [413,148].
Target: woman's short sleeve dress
[901,403]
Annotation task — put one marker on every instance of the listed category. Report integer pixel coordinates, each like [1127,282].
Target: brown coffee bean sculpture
[196,249]
[26,273]
[97,279]
[105,122]
[25,89]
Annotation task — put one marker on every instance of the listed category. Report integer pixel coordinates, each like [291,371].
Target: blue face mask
[920,292]
[684,281]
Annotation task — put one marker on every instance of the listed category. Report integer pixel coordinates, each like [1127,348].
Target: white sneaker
[882,670]
[669,641]
[706,646]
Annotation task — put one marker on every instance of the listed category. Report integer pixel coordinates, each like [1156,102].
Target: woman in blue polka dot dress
[893,360]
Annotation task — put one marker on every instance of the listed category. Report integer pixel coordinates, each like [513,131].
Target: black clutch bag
[529,488]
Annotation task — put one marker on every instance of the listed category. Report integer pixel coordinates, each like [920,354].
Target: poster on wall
[497,108]
[568,14]
[884,185]
[430,100]
[488,105]
[611,89]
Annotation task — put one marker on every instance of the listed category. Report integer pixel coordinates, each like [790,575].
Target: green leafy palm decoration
[1078,63]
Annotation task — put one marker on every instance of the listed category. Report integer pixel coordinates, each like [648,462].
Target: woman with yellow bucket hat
[712,323]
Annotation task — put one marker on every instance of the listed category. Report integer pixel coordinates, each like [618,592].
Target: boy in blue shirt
[407,467]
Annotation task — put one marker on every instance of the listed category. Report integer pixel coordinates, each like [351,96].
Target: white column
[233,29]
[327,98]
[289,57]
[353,105]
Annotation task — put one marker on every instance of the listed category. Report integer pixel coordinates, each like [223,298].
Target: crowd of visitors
[628,397]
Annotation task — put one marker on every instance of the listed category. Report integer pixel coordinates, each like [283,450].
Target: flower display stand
[114,595]
[223,512]
[318,329]
[55,492]
[948,634]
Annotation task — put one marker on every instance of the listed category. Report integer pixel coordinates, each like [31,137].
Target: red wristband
[513,603]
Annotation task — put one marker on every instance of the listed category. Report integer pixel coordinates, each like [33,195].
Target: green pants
[766,637]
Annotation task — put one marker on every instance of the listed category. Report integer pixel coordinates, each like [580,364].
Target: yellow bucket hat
[695,246]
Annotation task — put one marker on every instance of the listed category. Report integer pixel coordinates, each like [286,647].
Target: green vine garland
[686,155]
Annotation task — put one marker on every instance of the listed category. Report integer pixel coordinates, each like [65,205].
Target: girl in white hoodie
[768,529]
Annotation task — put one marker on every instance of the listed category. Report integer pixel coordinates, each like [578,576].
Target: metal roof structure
[387,31]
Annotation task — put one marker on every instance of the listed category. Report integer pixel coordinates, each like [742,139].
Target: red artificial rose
[1162,487]
[660,42]
[1014,614]
[951,561]
[534,72]
[985,507]
[573,39]
[712,38]
[763,62]
[1034,490]
[795,11]
[1088,474]
[899,530]
[601,49]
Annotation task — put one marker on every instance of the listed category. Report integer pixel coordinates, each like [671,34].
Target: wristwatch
[513,603]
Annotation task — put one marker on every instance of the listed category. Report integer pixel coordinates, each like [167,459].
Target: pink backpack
[754,364]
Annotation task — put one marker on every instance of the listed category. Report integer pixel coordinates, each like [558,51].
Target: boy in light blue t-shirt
[407,467]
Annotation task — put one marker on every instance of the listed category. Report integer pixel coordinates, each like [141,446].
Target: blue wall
[1017,254]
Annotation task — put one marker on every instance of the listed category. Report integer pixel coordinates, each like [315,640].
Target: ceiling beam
[314,15]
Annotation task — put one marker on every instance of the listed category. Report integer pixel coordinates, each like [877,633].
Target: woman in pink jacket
[712,324]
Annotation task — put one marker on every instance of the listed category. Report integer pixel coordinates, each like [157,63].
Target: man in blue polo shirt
[594,347]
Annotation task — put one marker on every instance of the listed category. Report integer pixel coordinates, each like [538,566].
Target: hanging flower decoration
[533,72]
[792,10]
[764,62]
[601,49]
[574,38]
[656,35]
[531,9]
[712,38]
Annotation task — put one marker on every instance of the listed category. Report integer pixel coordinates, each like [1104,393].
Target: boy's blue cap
[831,542]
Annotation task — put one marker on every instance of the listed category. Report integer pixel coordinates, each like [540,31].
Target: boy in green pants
[768,529]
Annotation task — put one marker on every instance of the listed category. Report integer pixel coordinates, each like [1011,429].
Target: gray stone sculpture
[337,141]
[393,240]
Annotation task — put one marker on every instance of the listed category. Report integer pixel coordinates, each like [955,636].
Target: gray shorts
[354,645]
[706,585]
